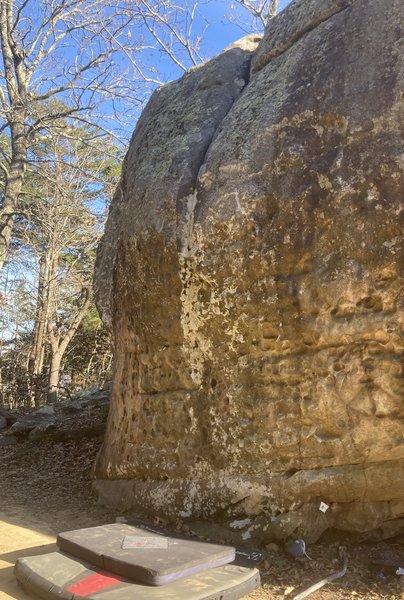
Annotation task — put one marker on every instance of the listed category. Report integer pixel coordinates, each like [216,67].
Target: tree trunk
[59,346]
[35,360]
[13,180]
[9,207]
[16,83]
[44,302]
[53,386]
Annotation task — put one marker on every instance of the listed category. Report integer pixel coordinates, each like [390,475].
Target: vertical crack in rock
[165,155]
[194,284]
[196,346]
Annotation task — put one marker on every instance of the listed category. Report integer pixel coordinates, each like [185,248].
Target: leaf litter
[53,481]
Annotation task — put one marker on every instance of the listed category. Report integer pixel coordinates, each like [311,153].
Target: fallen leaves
[53,479]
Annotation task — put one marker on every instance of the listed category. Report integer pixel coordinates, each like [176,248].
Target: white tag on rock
[323,507]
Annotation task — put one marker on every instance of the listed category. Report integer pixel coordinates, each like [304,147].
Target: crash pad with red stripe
[143,555]
[56,576]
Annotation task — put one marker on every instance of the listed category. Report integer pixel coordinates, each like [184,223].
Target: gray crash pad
[143,555]
[56,576]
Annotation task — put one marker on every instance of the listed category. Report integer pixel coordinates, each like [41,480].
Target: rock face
[42,419]
[252,270]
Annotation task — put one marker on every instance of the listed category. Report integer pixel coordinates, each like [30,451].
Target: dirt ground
[45,488]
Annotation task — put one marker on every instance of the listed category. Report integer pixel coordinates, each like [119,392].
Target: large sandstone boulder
[252,271]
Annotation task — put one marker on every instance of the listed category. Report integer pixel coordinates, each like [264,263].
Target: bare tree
[62,210]
[52,49]
[88,359]
[63,207]
[255,14]
[173,29]
[59,341]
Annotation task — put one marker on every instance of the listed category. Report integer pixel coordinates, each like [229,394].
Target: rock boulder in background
[84,415]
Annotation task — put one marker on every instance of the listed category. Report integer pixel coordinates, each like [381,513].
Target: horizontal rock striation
[254,259]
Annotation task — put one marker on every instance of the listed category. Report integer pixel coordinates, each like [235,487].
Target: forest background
[74,76]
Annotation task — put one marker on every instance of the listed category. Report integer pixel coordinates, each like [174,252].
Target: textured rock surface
[169,146]
[41,418]
[254,257]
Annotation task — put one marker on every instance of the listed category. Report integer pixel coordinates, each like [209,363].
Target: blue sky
[220,34]
[218,22]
